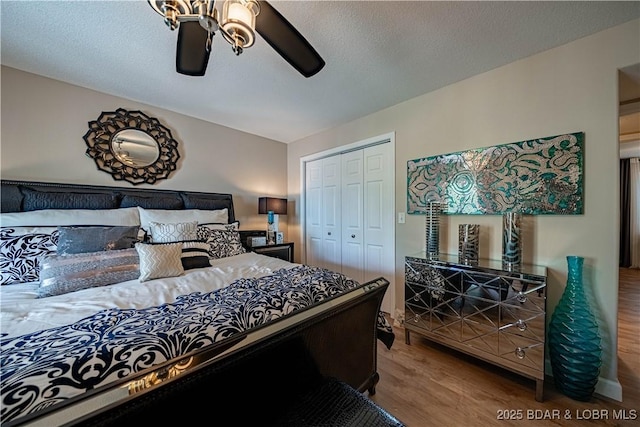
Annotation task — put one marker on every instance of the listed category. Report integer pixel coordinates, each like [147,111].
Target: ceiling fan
[238,20]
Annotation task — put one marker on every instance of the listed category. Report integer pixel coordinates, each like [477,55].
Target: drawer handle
[520,353]
[522,325]
[521,297]
[353,236]
[329,233]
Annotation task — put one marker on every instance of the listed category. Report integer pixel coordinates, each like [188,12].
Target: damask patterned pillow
[223,242]
[21,251]
[158,261]
[221,226]
[61,274]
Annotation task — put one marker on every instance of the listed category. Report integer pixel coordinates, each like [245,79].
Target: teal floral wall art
[540,176]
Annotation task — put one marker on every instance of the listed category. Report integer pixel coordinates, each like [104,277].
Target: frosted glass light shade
[239,22]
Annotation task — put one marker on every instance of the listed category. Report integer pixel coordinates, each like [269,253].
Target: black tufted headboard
[21,196]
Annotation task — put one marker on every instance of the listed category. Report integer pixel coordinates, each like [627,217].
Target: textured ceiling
[377,53]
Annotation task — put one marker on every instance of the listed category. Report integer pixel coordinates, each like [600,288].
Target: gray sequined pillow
[61,274]
[95,238]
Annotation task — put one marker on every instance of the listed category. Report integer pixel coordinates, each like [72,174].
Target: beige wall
[44,120]
[571,88]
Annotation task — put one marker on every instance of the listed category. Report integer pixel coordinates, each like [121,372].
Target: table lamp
[273,207]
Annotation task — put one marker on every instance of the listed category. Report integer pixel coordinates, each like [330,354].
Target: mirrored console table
[495,314]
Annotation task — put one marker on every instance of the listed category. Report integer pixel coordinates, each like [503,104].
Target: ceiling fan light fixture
[170,16]
[238,23]
[207,15]
[197,21]
[171,10]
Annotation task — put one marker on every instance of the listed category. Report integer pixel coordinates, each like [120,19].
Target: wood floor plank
[426,384]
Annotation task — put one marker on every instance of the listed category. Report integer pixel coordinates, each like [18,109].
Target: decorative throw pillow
[222,242]
[195,255]
[183,215]
[173,232]
[21,250]
[61,274]
[221,226]
[95,238]
[157,261]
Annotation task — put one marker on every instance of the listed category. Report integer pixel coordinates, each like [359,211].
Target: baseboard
[398,319]
[609,388]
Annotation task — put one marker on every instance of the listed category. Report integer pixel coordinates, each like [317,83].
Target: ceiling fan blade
[192,56]
[287,41]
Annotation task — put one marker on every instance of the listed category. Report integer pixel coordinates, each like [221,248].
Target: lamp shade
[278,206]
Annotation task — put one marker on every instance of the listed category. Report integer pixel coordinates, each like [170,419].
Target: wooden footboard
[257,372]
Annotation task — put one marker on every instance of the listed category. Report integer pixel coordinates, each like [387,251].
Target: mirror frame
[102,131]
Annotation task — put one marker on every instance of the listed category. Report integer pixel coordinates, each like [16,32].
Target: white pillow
[173,232]
[157,261]
[55,217]
[183,215]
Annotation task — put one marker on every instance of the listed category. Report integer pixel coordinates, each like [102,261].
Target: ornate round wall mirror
[132,146]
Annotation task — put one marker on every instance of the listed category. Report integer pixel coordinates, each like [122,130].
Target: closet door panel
[379,218]
[374,250]
[331,213]
[314,252]
[352,215]
[313,213]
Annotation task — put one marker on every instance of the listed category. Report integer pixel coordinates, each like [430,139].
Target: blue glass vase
[574,341]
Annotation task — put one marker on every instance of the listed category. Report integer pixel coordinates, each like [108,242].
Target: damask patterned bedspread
[42,368]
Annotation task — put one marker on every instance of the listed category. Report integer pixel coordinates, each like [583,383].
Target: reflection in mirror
[134,148]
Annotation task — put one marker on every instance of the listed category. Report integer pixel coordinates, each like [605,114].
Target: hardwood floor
[425,384]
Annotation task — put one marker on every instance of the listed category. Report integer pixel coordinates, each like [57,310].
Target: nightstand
[283,251]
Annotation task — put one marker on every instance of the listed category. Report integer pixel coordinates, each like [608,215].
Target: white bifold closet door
[352,215]
[349,213]
[322,213]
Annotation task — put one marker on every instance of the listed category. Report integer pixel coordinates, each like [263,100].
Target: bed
[117,304]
